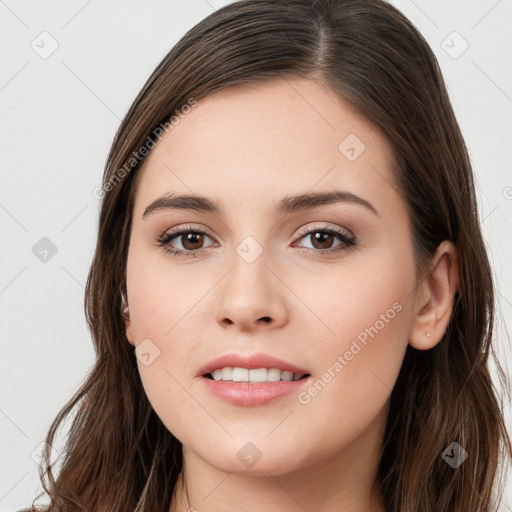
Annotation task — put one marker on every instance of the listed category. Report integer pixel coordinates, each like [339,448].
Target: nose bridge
[250,291]
[249,277]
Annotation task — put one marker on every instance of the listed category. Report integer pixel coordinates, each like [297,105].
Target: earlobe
[127,321]
[435,297]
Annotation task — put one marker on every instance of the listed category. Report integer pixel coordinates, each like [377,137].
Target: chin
[256,459]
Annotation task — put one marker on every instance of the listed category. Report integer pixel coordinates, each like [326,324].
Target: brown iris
[321,237]
[192,238]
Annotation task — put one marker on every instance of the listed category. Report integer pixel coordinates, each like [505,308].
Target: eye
[322,238]
[190,240]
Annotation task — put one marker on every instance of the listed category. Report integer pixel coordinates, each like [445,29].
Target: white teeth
[226,373]
[254,375]
[240,375]
[274,374]
[258,375]
[286,376]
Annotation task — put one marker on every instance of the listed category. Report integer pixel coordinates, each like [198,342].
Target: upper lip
[258,360]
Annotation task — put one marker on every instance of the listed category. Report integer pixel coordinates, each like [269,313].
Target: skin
[247,147]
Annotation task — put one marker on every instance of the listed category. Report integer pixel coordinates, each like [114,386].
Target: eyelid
[306,230]
[186,228]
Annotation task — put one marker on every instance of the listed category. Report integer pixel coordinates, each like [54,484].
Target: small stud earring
[428,334]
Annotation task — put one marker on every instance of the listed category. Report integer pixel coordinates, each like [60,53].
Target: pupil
[321,237]
[189,238]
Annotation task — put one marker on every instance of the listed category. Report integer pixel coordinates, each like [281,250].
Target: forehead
[264,139]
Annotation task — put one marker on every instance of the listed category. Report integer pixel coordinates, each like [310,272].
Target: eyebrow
[287,205]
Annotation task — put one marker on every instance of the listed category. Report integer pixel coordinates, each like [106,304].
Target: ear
[125,310]
[434,298]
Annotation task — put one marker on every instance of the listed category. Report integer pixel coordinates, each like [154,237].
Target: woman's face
[271,276]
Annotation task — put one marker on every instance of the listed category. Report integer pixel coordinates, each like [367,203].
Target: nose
[251,296]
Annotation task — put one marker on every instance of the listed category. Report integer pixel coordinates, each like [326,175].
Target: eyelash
[347,242]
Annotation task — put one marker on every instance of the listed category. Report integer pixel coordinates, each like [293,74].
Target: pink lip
[258,360]
[248,394]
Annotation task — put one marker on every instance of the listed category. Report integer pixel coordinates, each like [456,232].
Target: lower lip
[246,393]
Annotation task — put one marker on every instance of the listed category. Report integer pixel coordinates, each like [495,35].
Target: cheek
[365,301]
[164,305]
[163,296]
[358,367]
[364,325]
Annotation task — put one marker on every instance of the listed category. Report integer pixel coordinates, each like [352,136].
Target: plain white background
[59,113]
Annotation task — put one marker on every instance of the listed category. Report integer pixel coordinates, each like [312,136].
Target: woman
[290,298]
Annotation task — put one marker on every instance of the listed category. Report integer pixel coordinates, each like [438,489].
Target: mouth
[253,386]
[252,379]
[254,375]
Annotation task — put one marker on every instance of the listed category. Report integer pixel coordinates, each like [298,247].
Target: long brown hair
[118,454]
